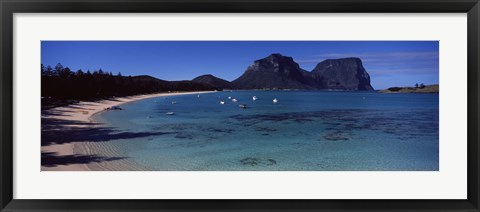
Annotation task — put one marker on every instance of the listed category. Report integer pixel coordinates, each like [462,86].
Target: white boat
[198,96]
[275,100]
[234,100]
[222,102]
[254,98]
[242,106]
[229,97]
[170,113]
[174,102]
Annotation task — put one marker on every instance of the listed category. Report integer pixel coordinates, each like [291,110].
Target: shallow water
[305,130]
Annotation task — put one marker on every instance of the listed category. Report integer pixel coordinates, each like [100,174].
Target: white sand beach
[79,116]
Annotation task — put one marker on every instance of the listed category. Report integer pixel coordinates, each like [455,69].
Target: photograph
[262,105]
[206,105]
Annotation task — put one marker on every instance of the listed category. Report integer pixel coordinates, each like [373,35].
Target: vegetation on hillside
[417,89]
[63,84]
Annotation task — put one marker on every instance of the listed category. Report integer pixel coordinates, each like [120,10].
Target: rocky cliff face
[345,74]
[281,72]
[274,72]
[213,81]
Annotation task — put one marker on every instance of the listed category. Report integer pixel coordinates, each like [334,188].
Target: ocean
[303,131]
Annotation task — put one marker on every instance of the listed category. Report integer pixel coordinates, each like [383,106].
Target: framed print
[256,106]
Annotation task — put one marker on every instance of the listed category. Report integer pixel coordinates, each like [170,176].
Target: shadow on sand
[58,131]
[51,159]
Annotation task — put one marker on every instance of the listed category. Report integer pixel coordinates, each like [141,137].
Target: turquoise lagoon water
[305,130]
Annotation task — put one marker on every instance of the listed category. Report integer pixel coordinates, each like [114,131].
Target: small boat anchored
[234,100]
[229,97]
[170,113]
[174,102]
[222,102]
[242,106]
[275,100]
[254,98]
[113,108]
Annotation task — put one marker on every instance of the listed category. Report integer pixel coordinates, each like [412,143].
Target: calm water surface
[305,130]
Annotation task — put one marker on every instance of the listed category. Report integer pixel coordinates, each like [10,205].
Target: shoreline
[79,116]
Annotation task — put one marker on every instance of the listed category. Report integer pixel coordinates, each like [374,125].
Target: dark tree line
[62,83]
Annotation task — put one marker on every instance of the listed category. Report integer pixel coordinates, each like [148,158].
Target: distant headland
[417,89]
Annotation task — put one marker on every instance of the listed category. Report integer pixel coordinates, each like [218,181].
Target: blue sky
[389,63]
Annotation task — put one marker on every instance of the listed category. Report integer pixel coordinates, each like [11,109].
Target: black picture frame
[9,7]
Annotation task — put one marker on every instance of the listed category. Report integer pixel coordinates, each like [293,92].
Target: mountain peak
[276,63]
[207,75]
[277,57]
[273,71]
[343,73]
[346,59]
[213,81]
